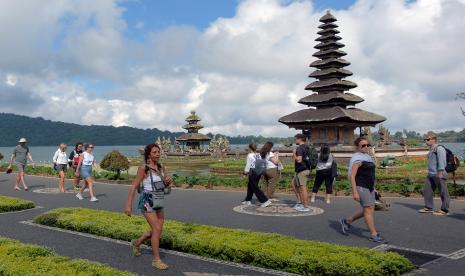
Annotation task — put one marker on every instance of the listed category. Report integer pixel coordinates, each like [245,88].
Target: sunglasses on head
[365,146]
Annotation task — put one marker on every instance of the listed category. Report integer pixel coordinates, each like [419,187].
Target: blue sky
[148,63]
[154,15]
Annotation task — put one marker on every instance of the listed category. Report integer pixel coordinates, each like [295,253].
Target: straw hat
[22,140]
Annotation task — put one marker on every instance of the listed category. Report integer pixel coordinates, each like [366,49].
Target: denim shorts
[86,171]
[147,202]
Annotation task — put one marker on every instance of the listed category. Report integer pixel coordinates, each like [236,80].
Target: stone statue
[366,132]
[384,136]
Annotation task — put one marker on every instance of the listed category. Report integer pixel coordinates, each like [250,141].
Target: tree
[1,156]
[115,162]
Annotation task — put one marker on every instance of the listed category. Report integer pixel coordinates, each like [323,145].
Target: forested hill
[41,132]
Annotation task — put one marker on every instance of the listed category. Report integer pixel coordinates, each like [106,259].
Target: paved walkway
[402,226]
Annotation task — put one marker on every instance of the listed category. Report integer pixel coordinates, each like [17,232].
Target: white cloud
[241,74]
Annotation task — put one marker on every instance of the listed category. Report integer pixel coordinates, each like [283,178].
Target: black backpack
[260,165]
[452,161]
[310,157]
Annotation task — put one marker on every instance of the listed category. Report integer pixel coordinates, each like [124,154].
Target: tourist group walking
[263,169]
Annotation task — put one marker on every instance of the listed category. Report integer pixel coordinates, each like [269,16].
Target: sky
[240,64]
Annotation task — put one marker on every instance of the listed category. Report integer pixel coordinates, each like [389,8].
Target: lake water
[45,154]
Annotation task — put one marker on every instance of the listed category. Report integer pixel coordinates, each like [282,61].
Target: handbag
[334,172]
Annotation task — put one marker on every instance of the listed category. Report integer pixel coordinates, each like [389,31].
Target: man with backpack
[437,175]
[303,164]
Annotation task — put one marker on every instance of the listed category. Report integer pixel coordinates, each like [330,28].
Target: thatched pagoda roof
[331,116]
[331,98]
[330,73]
[330,102]
[192,126]
[330,85]
[193,117]
[328,17]
[195,137]
[330,62]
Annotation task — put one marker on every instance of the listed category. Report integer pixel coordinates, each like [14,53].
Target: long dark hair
[253,147]
[77,145]
[148,150]
[266,149]
[325,151]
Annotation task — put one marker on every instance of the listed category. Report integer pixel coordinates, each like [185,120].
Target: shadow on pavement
[36,186]
[354,230]
[415,207]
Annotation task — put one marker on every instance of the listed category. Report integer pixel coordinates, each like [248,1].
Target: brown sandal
[135,249]
[158,264]
[425,211]
[440,213]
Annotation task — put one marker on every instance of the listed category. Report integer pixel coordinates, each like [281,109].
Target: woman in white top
[60,162]
[324,173]
[253,179]
[84,170]
[272,173]
[154,180]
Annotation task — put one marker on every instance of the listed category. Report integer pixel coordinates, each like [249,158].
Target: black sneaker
[377,238]
[344,226]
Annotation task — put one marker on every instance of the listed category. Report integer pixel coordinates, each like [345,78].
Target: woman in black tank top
[362,173]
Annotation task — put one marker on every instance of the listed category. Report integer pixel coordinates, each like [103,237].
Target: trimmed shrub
[29,260]
[266,250]
[10,204]
[115,162]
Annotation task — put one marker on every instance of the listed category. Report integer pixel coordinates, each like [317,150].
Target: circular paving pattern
[52,191]
[276,210]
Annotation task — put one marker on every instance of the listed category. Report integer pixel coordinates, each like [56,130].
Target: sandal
[440,213]
[158,264]
[135,249]
[425,211]
[17,188]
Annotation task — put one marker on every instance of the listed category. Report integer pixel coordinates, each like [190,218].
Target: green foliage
[31,260]
[260,249]
[116,162]
[1,156]
[10,204]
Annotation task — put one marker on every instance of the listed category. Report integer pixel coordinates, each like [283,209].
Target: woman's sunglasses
[427,139]
[365,146]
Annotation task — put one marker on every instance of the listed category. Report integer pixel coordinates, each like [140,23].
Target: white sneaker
[297,205]
[78,195]
[245,202]
[266,204]
[312,200]
[328,201]
[93,199]
[303,209]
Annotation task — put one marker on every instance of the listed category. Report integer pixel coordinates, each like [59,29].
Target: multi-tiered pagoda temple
[193,139]
[331,117]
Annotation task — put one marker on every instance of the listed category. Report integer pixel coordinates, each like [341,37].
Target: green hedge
[10,204]
[267,250]
[22,259]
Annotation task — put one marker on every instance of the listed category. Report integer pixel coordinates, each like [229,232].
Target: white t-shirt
[250,162]
[324,165]
[269,164]
[88,159]
[60,157]
[147,181]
